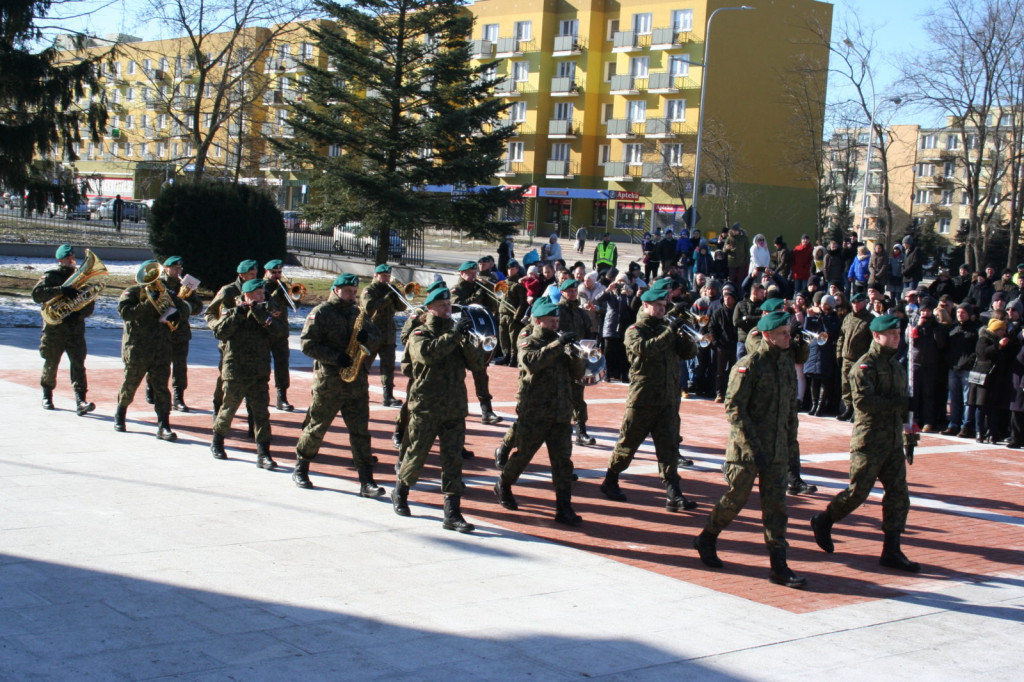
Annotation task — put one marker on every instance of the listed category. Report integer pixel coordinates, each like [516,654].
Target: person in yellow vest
[606,255]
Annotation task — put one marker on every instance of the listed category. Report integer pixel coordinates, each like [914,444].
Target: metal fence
[350,241]
[19,225]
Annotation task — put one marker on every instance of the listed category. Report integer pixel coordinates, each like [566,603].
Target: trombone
[411,289]
[820,338]
[498,291]
[293,293]
[700,320]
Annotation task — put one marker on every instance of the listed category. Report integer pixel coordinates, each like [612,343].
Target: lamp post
[700,113]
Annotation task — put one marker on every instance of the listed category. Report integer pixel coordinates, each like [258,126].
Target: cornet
[411,289]
[820,338]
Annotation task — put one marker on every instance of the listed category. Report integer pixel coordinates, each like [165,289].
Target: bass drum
[595,372]
[485,329]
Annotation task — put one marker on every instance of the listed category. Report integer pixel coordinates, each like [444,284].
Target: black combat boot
[821,524]
[503,491]
[501,454]
[487,415]
[797,486]
[163,429]
[582,437]
[467,454]
[179,401]
[706,546]
[399,433]
[263,459]
[282,401]
[300,474]
[893,556]
[675,501]
[82,406]
[389,398]
[453,515]
[47,398]
[119,415]
[149,394]
[400,499]
[367,486]
[217,447]
[781,574]
[845,412]
[564,513]
[610,487]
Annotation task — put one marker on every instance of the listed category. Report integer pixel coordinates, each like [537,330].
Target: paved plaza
[125,557]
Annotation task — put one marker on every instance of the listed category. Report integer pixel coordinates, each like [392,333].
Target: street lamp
[700,113]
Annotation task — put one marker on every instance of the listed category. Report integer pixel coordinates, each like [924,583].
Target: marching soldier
[547,376]
[334,338]
[574,319]
[181,337]
[247,332]
[381,303]
[279,304]
[146,351]
[654,348]
[854,340]
[440,354]
[467,292]
[511,314]
[226,298]
[66,337]
[878,383]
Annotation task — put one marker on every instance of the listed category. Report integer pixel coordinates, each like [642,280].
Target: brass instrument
[357,351]
[404,291]
[86,280]
[482,333]
[702,340]
[498,291]
[189,284]
[699,320]
[820,338]
[293,293]
[257,311]
[157,294]
[586,349]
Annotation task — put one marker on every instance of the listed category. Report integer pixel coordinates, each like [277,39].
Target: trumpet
[404,291]
[820,338]
[293,293]
[586,349]
[702,340]
[157,294]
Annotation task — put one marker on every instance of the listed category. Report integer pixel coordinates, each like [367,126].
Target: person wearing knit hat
[225,299]
[63,336]
[181,337]
[469,291]
[761,399]
[928,339]
[854,340]
[881,395]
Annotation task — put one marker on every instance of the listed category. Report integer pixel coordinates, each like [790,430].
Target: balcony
[510,168]
[148,133]
[665,83]
[481,49]
[654,172]
[562,130]
[627,85]
[560,170]
[618,171]
[669,39]
[274,163]
[277,130]
[510,88]
[564,87]
[567,46]
[273,97]
[621,128]
[512,47]
[934,181]
[630,41]
[662,128]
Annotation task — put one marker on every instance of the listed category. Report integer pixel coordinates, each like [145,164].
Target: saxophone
[87,279]
[357,351]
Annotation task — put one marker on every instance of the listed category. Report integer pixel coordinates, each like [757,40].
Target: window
[952,142]
[679,66]
[207,120]
[607,112]
[949,169]
[560,152]
[923,170]
[682,20]
[517,112]
[174,150]
[639,67]
[117,69]
[965,199]
[943,225]
[642,23]
[144,121]
[144,149]
[207,90]
[862,138]
[637,111]
[922,196]
[129,149]
[569,27]
[490,32]
[929,142]
[129,121]
[306,51]
[604,154]
[216,151]
[515,151]
[520,71]
[609,71]
[161,121]
[972,141]
[600,212]
[672,154]
[490,74]
[633,154]
[129,94]
[613,28]
[563,111]
[524,30]
[947,197]
[567,69]
[147,64]
[131,67]
[675,109]
[159,149]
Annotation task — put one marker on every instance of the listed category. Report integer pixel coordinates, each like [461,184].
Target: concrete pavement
[124,557]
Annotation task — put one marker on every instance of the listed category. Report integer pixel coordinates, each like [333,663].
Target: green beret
[773,320]
[858,297]
[246,266]
[173,260]
[544,307]
[654,294]
[884,323]
[65,250]
[346,280]
[771,305]
[439,294]
[467,265]
[382,268]
[252,285]
[275,264]
[568,284]
[437,285]
[142,268]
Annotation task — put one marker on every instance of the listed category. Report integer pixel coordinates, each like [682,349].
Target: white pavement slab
[123,557]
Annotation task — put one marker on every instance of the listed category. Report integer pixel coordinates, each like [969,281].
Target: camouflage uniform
[181,337]
[439,357]
[327,332]
[467,293]
[225,298]
[381,304]
[880,400]
[246,335]
[510,323]
[66,337]
[416,318]
[279,350]
[145,349]
[572,318]
[762,410]
[854,340]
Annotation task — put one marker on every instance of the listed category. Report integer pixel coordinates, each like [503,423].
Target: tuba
[87,280]
[357,351]
[157,294]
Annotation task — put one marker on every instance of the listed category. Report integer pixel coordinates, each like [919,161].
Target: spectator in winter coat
[858,272]
[760,256]
[802,262]
[835,271]
[878,268]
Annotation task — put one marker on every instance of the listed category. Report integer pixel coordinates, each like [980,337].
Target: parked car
[79,210]
[95,203]
[132,211]
[350,238]
[292,221]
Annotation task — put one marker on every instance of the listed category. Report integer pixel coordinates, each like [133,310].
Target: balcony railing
[663,82]
[567,45]
[510,88]
[561,87]
[653,171]
[562,129]
[621,128]
[624,84]
[666,127]
[508,47]
[481,49]
[560,169]
[509,168]
[618,171]
[629,41]
[669,38]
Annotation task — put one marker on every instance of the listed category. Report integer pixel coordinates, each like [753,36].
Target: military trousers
[663,427]
[52,346]
[387,365]
[889,467]
[157,373]
[510,441]
[844,382]
[482,384]
[255,391]
[179,365]
[558,438]
[579,404]
[280,351]
[771,483]
[424,428]
[330,396]
[508,334]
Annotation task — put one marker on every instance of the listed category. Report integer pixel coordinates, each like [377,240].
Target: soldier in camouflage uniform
[146,351]
[66,337]
[181,337]
[468,292]
[511,313]
[854,340]
[547,375]
[654,348]
[440,354]
[761,405]
[881,400]
[225,298]
[326,338]
[381,303]
[279,304]
[247,331]
[574,319]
